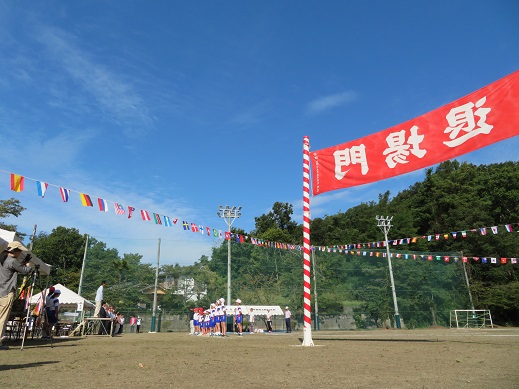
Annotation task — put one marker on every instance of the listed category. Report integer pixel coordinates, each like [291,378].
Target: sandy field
[432,358]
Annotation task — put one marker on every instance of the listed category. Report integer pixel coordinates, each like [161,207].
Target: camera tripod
[29,293]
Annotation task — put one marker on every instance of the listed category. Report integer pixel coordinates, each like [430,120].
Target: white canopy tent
[258,309]
[68,299]
[7,237]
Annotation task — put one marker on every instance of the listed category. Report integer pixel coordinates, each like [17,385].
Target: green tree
[63,249]
[10,207]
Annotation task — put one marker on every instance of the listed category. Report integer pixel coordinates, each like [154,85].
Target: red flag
[145,215]
[130,211]
[17,182]
[479,119]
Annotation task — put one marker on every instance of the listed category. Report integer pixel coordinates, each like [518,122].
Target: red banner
[481,118]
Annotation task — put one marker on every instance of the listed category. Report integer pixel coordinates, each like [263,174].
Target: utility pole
[154,314]
[32,238]
[385,224]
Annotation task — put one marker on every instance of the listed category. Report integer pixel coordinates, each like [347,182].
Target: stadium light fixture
[229,215]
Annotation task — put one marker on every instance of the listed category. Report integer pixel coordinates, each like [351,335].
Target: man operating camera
[10,266]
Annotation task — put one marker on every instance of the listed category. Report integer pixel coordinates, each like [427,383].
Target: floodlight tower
[229,215]
[385,224]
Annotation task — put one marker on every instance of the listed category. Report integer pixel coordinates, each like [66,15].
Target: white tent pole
[83,266]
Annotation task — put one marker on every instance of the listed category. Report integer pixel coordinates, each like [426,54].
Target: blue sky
[178,107]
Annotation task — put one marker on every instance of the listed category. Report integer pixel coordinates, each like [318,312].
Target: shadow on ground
[25,365]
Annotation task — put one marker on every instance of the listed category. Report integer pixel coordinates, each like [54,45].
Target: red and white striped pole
[307,327]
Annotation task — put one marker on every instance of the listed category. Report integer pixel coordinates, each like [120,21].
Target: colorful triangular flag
[85,200]
[17,182]
[103,204]
[65,194]
[119,209]
[42,188]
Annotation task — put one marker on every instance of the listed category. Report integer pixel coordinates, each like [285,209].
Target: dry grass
[434,358]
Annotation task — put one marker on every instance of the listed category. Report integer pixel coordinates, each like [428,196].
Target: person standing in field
[223,318]
[9,269]
[132,324]
[251,320]
[269,321]
[51,310]
[288,314]
[99,298]
[138,323]
[238,317]
[218,318]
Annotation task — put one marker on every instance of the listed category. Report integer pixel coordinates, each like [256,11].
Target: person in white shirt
[251,320]
[269,321]
[223,318]
[238,317]
[218,318]
[138,324]
[99,298]
[287,319]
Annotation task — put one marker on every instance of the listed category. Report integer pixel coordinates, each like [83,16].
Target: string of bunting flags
[17,184]
[416,256]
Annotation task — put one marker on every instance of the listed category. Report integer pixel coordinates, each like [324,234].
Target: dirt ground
[432,358]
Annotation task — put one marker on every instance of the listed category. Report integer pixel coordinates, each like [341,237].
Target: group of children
[213,321]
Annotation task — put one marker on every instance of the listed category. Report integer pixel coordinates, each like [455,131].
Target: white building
[186,287]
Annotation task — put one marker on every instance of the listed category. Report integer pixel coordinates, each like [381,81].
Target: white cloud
[116,98]
[325,103]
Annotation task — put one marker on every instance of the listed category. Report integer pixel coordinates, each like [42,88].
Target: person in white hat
[10,266]
[238,317]
[223,318]
[287,319]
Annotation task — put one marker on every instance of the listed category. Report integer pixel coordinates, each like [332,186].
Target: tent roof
[67,298]
[10,236]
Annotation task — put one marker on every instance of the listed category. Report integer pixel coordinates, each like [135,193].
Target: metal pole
[229,266]
[83,266]
[474,317]
[32,237]
[385,224]
[467,282]
[154,314]
[317,324]
[229,215]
